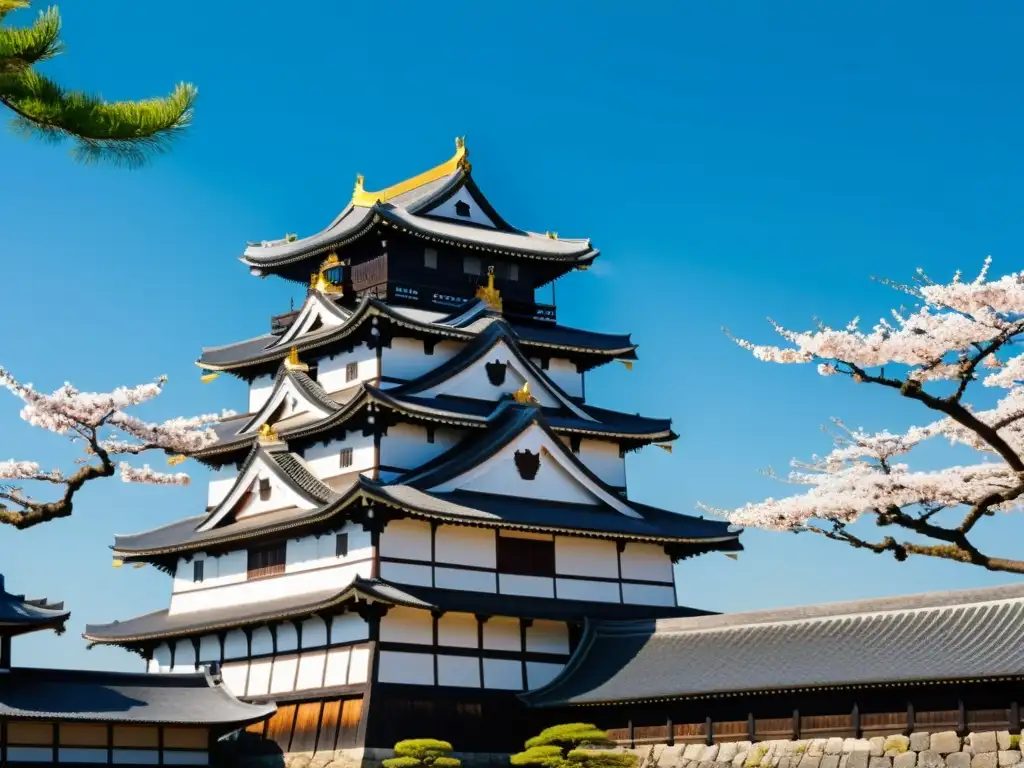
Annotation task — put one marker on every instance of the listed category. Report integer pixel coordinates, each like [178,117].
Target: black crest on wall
[528,464]
[461,208]
[496,372]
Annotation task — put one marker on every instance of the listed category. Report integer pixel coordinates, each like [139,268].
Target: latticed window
[197,570]
[341,545]
[265,489]
[345,458]
[430,258]
[351,371]
[266,561]
[526,557]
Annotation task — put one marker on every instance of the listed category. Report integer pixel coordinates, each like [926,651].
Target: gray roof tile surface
[18,614]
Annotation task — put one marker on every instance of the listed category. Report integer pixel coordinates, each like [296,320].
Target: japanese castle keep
[421,528]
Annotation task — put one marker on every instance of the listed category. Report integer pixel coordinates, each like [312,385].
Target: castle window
[351,372]
[430,434]
[471,265]
[265,489]
[341,545]
[526,557]
[461,208]
[197,570]
[430,258]
[266,561]
[513,271]
[345,458]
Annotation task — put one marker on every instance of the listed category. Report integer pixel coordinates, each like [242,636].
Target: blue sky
[732,160]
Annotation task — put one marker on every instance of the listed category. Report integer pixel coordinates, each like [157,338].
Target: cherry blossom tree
[99,423]
[957,335]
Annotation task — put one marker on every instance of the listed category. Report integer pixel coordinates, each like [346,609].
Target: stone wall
[987,749]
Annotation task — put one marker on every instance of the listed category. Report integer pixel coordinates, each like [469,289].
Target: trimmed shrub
[422,753]
[572,746]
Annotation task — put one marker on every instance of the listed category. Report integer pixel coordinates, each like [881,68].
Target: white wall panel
[259,391]
[407,625]
[602,458]
[646,562]
[259,677]
[470,581]
[576,556]
[408,668]
[186,757]
[162,656]
[262,641]
[311,669]
[314,633]
[597,591]
[331,371]
[348,627]
[234,674]
[236,645]
[324,461]
[184,656]
[407,539]
[565,375]
[475,213]
[547,637]
[458,630]
[404,573]
[287,638]
[461,545]
[502,674]
[222,480]
[648,594]
[502,634]
[540,673]
[282,676]
[209,649]
[359,665]
[405,358]
[459,671]
[337,666]
[528,586]
[405,445]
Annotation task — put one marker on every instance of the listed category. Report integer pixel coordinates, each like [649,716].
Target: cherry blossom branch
[956,329]
[88,418]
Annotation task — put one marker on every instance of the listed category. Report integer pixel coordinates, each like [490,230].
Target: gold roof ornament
[628,364]
[268,434]
[318,282]
[552,235]
[292,362]
[117,562]
[209,376]
[666,447]
[457,162]
[174,461]
[489,293]
[523,396]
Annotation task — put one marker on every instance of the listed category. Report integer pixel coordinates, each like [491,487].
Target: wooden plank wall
[313,726]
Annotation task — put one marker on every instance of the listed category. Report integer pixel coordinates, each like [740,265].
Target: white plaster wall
[596,591]
[236,645]
[259,391]
[602,458]
[647,562]
[502,674]
[405,445]
[162,657]
[460,545]
[458,671]
[586,557]
[470,581]
[458,630]
[331,369]
[269,588]
[406,360]
[502,634]
[223,478]
[564,374]
[209,649]
[476,215]
[311,670]
[648,594]
[406,539]
[404,573]
[259,677]
[407,625]
[409,668]
[280,497]
[348,627]
[262,641]
[541,673]
[324,461]
[547,637]
[527,586]
[284,673]
[234,674]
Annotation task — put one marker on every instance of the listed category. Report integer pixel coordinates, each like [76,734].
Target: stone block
[958,760]
[817,747]
[985,741]
[693,751]
[709,753]
[741,758]
[829,761]
[671,756]
[706,764]
[1008,756]
[785,762]
[795,747]
[856,745]
[920,741]
[809,761]
[723,764]
[1003,740]
[985,760]
[726,752]
[898,744]
[833,746]
[905,760]
[877,745]
[880,762]
[929,759]
[945,742]
[858,759]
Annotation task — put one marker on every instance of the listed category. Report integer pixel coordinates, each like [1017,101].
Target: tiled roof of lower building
[19,615]
[116,697]
[963,635]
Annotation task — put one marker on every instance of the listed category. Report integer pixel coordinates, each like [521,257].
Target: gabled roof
[318,403]
[408,206]
[19,615]
[119,697]
[963,635]
[462,325]
[316,309]
[162,625]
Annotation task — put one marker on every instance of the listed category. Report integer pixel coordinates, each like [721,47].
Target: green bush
[572,746]
[422,753]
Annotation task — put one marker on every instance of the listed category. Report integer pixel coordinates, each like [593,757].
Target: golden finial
[118,562]
[331,261]
[523,396]
[358,188]
[174,461]
[292,362]
[553,235]
[583,267]
[318,282]
[666,447]
[628,364]
[489,293]
[138,565]
[268,434]
[209,376]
